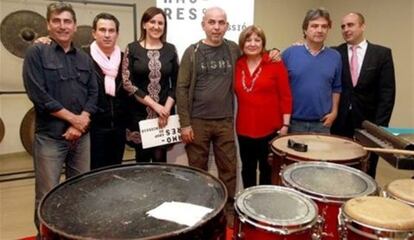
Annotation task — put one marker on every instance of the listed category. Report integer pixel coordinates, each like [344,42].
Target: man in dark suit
[368,82]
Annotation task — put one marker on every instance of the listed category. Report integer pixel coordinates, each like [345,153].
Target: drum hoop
[271,227]
[296,158]
[353,224]
[390,194]
[160,236]
[328,198]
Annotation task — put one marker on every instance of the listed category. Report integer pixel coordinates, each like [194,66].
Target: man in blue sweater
[315,76]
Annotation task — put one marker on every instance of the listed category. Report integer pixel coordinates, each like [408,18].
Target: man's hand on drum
[187,134]
[328,119]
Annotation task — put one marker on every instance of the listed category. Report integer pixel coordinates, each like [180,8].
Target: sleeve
[174,74]
[183,86]
[92,101]
[34,82]
[336,83]
[386,90]
[127,82]
[285,94]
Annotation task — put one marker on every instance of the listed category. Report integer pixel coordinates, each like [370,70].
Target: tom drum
[329,185]
[269,212]
[371,217]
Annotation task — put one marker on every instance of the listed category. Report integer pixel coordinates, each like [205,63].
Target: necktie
[354,65]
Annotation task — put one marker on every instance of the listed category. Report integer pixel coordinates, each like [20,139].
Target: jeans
[49,156]
[299,126]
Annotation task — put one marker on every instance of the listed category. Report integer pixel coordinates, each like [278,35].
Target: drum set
[320,194]
[329,175]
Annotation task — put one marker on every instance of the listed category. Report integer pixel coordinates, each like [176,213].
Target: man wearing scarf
[108,124]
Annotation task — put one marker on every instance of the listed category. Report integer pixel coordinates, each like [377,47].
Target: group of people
[88,102]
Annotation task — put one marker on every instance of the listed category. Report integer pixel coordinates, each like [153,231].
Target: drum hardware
[390,150]
[297,146]
[371,135]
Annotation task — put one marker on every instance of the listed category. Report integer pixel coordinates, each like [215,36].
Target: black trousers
[107,146]
[254,151]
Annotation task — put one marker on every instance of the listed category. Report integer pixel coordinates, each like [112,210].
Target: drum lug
[342,226]
[318,228]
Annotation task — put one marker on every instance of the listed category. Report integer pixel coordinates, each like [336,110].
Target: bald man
[368,82]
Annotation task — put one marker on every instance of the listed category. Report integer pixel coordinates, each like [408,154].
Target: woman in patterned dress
[150,67]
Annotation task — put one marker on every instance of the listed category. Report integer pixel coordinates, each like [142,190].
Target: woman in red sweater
[264,104]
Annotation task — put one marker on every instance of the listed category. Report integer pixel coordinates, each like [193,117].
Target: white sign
[152,135]
[184,19]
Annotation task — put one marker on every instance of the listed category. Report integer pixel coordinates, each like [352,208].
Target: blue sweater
[313,79]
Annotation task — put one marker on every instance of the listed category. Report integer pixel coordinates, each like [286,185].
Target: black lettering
[168,13]
[193,14]
[180,13]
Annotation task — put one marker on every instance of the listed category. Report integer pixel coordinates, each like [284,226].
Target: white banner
[184,19]
[152,135]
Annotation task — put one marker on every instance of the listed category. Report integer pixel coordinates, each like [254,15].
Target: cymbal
[19,29]
[2,130]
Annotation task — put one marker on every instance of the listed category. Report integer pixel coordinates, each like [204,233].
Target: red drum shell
[329,185]
[272,213]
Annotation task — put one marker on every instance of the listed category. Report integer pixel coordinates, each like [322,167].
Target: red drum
[269,212]
[326,148]
[329,185]
[112,203]
[366,218]
[401,190]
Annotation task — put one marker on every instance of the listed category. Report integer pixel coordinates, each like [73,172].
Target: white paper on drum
[182,213]
[152,135]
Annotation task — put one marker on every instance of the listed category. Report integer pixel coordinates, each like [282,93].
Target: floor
[16,197]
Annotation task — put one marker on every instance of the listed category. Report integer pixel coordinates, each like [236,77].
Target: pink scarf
[109,66]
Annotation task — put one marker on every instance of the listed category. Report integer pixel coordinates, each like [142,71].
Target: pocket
[83,74]
[53,71]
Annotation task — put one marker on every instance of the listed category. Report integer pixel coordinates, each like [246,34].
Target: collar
[56,46]
[309,50]
[362,45]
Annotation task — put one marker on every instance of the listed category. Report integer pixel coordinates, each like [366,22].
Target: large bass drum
[112,203]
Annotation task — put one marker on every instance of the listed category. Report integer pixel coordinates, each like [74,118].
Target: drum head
[320,148]
[270,207]
[380,212]
[112,203]
[402,189]
[328,182]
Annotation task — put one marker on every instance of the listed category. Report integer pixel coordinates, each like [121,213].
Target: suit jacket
[374,95]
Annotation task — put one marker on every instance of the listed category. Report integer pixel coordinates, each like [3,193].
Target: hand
[162,122]
[187,134]
[283,131]
[80,122]
[328,119]
[161,111]
[43,40]
[72,134]
[275,55]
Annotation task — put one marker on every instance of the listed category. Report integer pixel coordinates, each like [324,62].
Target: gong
[27,130]
[19,29]
[1,130]
[83,36]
